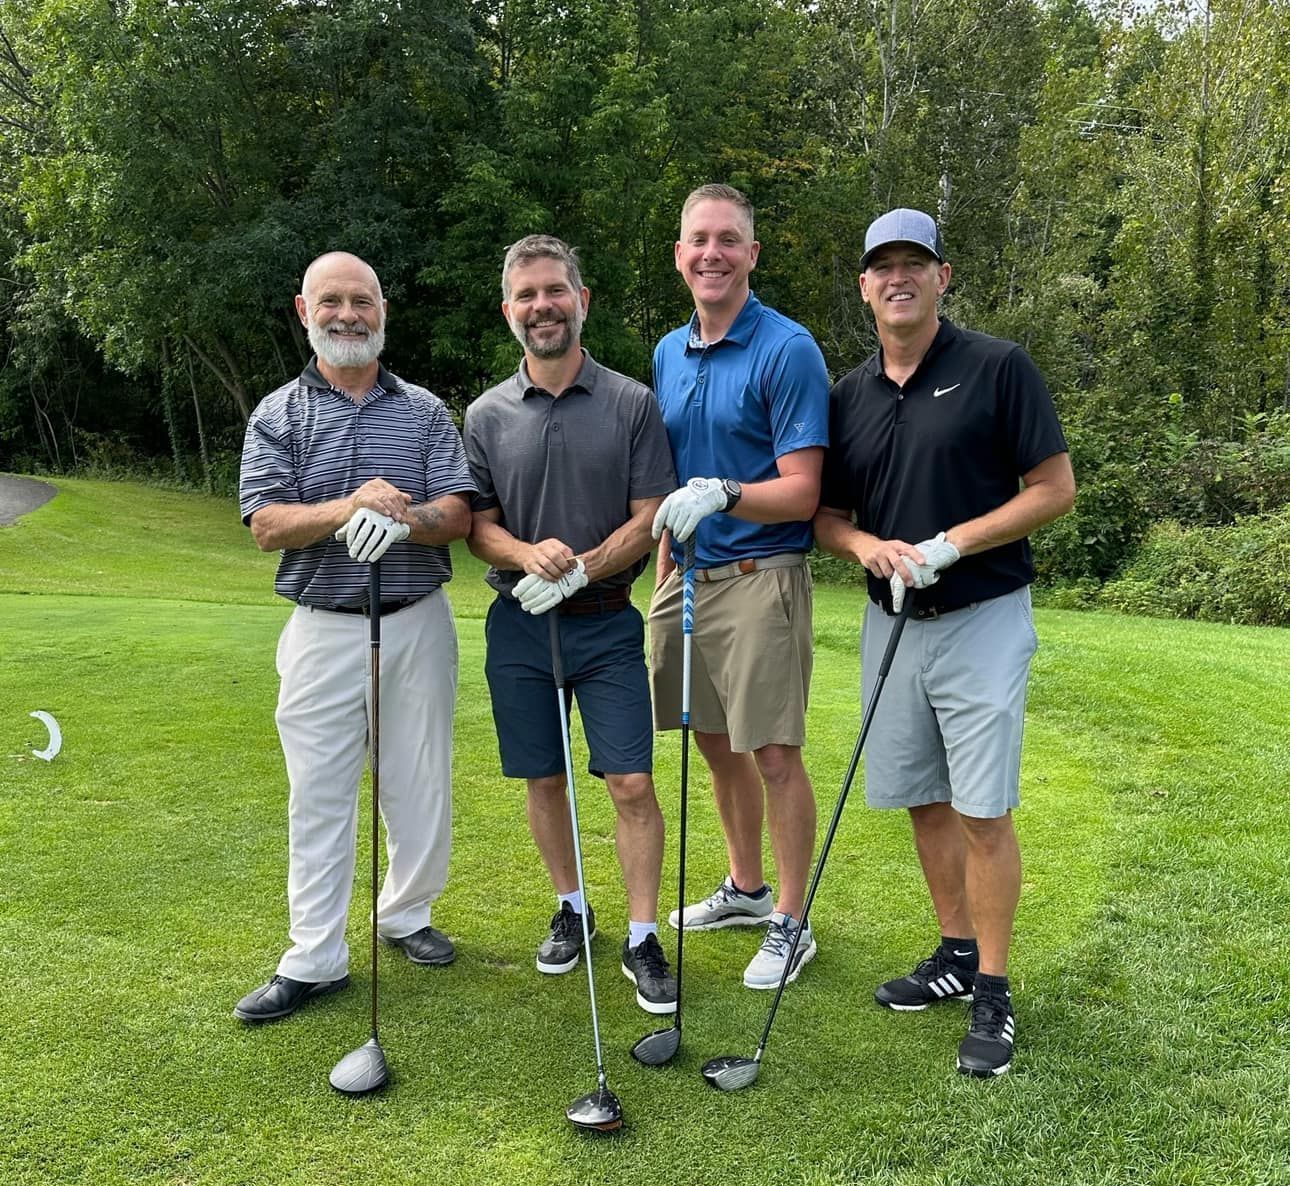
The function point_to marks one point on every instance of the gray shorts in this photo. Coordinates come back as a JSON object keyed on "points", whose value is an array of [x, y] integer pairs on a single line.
{"points": [[948, 727]]}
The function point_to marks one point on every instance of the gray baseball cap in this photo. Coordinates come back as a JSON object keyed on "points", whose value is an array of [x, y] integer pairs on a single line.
{"points": [[903, 226]]}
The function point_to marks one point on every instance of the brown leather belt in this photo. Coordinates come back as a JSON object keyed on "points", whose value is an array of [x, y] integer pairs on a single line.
{"points": [[739, 568], [610, 601]]}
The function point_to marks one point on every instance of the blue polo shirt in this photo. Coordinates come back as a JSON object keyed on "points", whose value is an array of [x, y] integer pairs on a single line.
{"points": [[732, 408]]}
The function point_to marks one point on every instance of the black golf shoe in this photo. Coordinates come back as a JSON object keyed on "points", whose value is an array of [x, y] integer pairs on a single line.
{"points": [[282, 996], [987, 1049], [427, 947], [646, 966], [937, 978], [560, 949]]}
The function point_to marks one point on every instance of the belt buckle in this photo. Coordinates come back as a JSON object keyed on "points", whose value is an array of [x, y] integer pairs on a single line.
{"points": [[926, 613]]}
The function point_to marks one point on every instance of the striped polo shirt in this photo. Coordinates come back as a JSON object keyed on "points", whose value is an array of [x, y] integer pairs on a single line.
{"points": [[308, 443]]}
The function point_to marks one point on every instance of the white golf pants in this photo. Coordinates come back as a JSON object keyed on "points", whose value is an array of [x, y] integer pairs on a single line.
{"points": [[323, 710]]}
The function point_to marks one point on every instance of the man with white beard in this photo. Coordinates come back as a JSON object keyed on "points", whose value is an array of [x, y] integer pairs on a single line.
{"points": [[343, 466], [571, 462]]}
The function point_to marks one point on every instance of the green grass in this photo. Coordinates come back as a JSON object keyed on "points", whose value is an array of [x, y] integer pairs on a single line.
{"points": [[143, 892]]}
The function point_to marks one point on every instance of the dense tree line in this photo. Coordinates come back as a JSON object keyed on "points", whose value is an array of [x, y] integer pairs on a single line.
{"points": [[1112, 181]]}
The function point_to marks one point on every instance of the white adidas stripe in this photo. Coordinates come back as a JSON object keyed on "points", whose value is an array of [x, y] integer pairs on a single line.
{"points": [[944, 986]]}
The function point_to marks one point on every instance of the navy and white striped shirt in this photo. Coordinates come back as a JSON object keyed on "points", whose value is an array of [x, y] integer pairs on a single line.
{"points": [[309, 443]]}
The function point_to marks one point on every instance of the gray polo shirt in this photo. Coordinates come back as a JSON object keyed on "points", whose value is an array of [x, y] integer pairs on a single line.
{"points": [[309, 443], [567, 467]]}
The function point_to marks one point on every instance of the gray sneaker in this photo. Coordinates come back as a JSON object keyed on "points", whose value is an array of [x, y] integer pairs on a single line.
{"points": [[726, 907], [768, 964]]}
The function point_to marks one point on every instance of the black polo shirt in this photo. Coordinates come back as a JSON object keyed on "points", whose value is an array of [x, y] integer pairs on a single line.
{"points": [[950, 445]]}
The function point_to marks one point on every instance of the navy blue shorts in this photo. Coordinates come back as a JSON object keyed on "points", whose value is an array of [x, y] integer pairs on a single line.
{"points": [[604, 670]]}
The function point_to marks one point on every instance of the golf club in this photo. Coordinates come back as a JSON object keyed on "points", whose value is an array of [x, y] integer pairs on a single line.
{"points": [[655, 1049], [364, 1070], [600, 1110], [731, 1072]]}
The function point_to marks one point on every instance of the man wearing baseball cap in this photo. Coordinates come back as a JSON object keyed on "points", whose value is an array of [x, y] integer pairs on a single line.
{"points": [[950, 438]]}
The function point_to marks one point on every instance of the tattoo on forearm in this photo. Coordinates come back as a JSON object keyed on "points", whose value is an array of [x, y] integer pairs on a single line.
{"points": [[426, 517]]}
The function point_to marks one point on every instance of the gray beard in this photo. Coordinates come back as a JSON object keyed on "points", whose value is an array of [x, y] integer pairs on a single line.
{"points": [[346, 354], [556, 349]]}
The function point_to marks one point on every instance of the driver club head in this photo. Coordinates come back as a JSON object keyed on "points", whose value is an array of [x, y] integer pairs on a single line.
{"points": [[598, 1112], [653, 1050], [361, 1071], [730, 1072]]}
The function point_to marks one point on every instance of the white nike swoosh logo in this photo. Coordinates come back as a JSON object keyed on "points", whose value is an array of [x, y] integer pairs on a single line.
{"points": [[957, 952], [940, 391]]}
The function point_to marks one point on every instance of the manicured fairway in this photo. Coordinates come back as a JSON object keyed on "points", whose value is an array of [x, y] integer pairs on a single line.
{"points": [[143, 892]]}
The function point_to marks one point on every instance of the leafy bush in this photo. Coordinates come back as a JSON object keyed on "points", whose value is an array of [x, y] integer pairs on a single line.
{"points": [[1221, 574]]}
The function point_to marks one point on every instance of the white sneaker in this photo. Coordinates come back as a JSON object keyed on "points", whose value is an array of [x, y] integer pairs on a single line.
{"points": [[726, 907], [768, 964]]}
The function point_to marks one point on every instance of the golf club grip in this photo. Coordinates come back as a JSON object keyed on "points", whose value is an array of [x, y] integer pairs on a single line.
{"points": [[687, 630], [687, 627], [883, 668]]}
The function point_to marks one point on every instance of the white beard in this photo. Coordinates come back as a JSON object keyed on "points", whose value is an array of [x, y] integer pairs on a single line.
{"points": [[336, 353]]}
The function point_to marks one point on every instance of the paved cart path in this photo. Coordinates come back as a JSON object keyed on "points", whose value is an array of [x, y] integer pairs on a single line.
{"points": [[18, 496]]}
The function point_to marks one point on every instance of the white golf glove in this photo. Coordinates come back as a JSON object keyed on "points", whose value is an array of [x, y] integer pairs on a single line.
{"points": [[684, 509], [368, 534], [938, 554], [536, 594]]}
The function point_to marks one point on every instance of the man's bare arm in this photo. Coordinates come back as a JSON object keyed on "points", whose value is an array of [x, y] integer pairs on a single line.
{"points": [[492, 543], [297, 525], [627, 544], [439, 521]]}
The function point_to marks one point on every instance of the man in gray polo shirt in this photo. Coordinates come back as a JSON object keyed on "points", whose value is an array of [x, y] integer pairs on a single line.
{"points": [[571, 461]]}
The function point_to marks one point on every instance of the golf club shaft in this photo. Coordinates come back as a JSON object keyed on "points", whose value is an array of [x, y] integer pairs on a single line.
{"points": [[883, 668], [557, 668], [374, 617], [687, 641]]}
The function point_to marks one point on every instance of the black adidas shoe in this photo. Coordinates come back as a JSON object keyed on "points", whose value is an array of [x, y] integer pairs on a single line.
{"points": [[937, 978], [646, 965], [987, 1049], [560, 949]]}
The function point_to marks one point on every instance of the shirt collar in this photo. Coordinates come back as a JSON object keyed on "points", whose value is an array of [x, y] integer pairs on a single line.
{"points": [[584, 381], [946, 333], [311, 376], [740, 332]]}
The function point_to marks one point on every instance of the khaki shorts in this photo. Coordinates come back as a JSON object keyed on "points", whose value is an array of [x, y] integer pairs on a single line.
{"points": [[751, 663]]}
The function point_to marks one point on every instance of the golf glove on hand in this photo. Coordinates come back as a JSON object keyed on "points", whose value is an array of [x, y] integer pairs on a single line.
{"points": [[684, 509], [536, 594], [938, 554], [369, 534]]}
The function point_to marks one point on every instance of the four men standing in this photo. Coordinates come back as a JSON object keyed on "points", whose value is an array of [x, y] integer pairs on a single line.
{"points": [[943, 435]]}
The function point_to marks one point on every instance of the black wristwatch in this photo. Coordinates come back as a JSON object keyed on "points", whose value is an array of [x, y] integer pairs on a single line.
{"points": [[734, 492]]}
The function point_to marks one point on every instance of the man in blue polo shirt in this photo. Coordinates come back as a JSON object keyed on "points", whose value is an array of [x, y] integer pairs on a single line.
{"points": [[571, 462], [948, 437], [744, 393], [338, 465]]}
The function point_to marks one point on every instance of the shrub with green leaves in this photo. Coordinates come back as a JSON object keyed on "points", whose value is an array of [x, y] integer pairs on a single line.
{"points": [[1220, 574]]}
